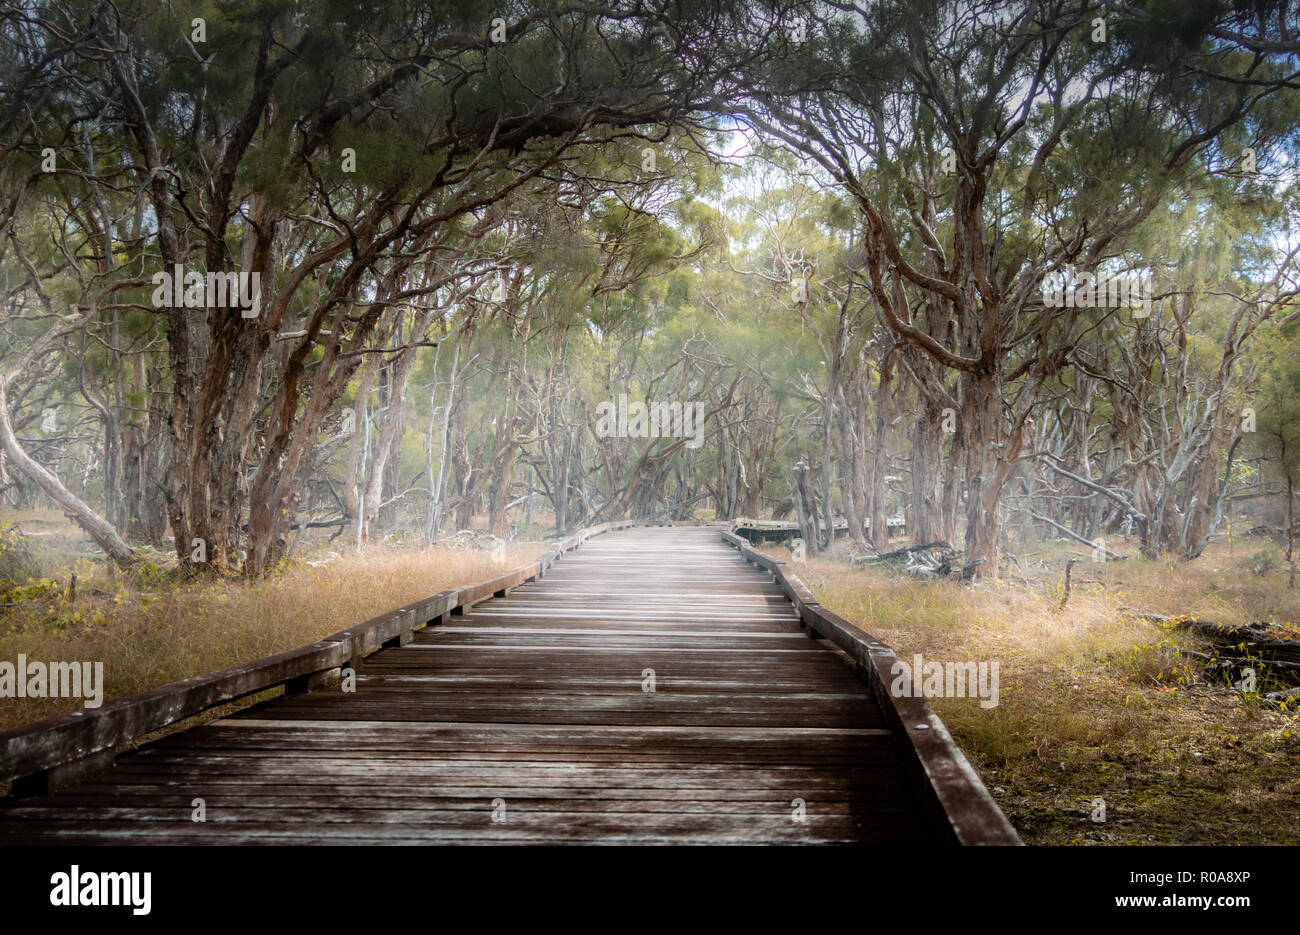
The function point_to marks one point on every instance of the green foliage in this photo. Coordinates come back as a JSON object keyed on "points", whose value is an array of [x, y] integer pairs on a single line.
{"points": [[1278, 406], [1265, 560], [17, 564]]}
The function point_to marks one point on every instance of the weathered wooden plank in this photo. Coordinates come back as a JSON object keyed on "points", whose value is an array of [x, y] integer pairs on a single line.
{"points": [[621, 829], [296, 807], [890, 783], [609, 714]]}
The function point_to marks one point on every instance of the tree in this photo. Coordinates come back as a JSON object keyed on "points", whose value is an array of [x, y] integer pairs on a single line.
{"points": [[1019, 104]]}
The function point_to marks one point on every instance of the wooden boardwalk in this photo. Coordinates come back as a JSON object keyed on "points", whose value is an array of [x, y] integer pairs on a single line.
{"points": [[776, 530], [594, 705]]}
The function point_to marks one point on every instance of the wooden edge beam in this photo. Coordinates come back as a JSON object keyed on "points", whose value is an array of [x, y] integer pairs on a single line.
{"points": [[65, 738], [955, 799]]}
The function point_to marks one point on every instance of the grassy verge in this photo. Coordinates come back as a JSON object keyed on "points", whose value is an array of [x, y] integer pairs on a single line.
{"points": [[1097, 706], [152, 629]]}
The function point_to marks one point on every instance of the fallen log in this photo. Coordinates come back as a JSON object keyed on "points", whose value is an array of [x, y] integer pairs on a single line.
{"points": [[901, 554], [931, 560], [1254, 645], [1254, 641], [968, 570]]}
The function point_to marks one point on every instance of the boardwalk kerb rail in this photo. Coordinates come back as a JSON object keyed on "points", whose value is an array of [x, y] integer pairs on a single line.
{"points": [[955, 800], [47, 755]]}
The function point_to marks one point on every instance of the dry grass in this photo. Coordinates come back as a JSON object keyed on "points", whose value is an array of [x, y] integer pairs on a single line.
{"points": [[153, 630], [1095, 703]]}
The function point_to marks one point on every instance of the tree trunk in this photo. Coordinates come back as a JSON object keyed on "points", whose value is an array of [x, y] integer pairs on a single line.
{"points": [[927, 445], [848, 482], [96, 527], [806, 509], [433, 526], [884, 429]]}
